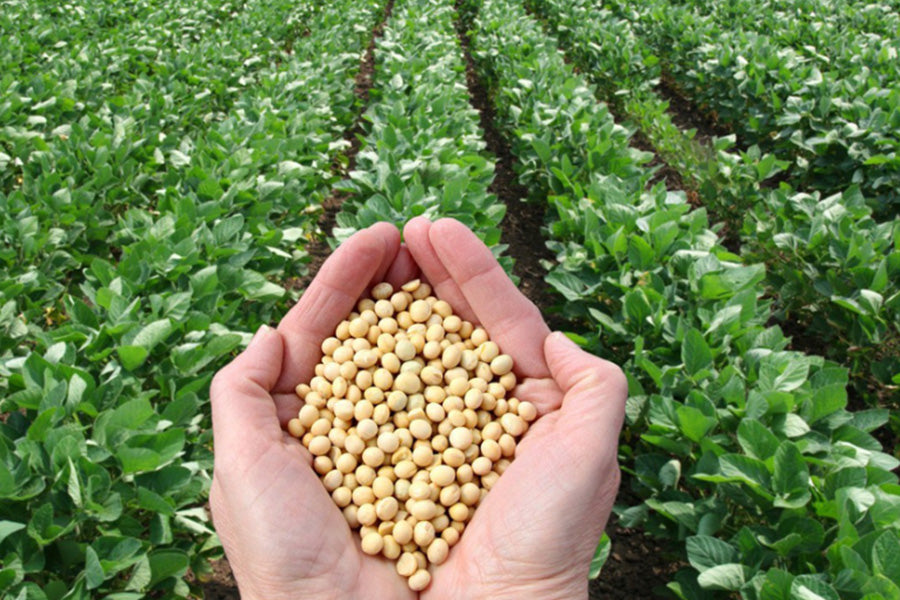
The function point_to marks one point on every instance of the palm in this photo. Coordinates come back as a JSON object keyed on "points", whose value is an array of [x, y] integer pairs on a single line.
{"points": [[323, 548]]}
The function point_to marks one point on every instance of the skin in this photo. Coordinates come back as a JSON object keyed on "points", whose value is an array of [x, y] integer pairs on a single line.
{"points": [[534, 534]]}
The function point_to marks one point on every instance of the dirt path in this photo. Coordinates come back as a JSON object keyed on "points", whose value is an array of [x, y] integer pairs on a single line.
{"points": [[319, 250], [686, 115]]}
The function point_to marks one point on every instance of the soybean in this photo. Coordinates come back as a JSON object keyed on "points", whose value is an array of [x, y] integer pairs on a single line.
{"points": [[410, 418]]}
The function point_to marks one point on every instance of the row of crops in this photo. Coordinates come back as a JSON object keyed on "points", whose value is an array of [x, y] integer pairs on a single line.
{"points": [[833, 262], [163, 167], [148, 219]]}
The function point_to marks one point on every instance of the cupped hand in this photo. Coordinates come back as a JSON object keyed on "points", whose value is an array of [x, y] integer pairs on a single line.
{"points": [[283, 535], [534, 534]]}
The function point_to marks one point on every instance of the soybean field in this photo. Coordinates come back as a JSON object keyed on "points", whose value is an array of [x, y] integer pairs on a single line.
{"points": [[707, 194]]}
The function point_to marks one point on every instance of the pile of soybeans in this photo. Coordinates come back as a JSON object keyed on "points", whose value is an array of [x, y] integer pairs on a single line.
{"points": [[410, 420]]}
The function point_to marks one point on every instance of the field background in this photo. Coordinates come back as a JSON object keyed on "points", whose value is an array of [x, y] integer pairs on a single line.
{"points": [[707, 195]]}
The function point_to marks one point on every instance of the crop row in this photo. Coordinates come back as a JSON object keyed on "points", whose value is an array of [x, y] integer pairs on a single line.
{"points": [[423, 152], [832, 269], [829, 27], [740, 449], [105, 362], [86, 144], [837, 125], [627, 72]]}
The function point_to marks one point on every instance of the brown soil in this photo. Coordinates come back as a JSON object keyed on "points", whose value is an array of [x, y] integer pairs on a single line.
{"points": [[638, 567], [222, 585], [686, 115]]}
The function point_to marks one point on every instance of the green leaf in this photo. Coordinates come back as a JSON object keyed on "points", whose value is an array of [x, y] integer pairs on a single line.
{"points": [[132, 356], [601, 554], [751, 471], [226, 229], [136, 460], [167, 563], [810, 587], [7, 481], [542, 149], [777, 585], [153, 502], [886, 555], [74, 485], [756, 439], [43, 527], [794, 426], [8, 528], [705, 552], [791, 477], [141, 576], [695, 352], [826, 401], [152, 335], [795, 374], [93, 571], [730, 576], [693, 423]]}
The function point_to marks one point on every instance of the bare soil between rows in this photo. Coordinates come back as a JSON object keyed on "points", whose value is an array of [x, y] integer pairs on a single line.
{"points": [[319, 250]]}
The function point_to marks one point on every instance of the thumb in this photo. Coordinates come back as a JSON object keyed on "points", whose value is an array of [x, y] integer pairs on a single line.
{"points": [[594, 391], [243, 411]]}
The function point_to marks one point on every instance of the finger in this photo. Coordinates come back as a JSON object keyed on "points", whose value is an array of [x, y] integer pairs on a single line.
{"points": [[595, 393], [416, 234], [543, 393], [243, 413], [332, 295], [391, 236], [512, 320], [287, 406], [403, 269]]}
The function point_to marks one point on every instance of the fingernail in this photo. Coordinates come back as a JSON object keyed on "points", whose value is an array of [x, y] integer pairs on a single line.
{"points": [[561, 338], [262, 331]]}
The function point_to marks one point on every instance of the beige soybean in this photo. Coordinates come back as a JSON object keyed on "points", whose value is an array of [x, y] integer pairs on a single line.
{"points": [[373, 543], [410, 418], [407, 564], [443, 475], [438, 551], [391, 549], [403, 532]]}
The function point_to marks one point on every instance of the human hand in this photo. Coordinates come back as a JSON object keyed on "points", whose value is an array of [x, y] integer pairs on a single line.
{"points": [[535, 531], [283, 535], [534, 534]]}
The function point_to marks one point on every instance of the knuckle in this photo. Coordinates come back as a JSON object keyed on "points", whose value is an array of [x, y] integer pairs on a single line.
{"points": [[609, 377], [219, 383]]}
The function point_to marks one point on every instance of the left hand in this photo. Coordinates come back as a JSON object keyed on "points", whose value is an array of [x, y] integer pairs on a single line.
{"points": [[283, 535]]}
